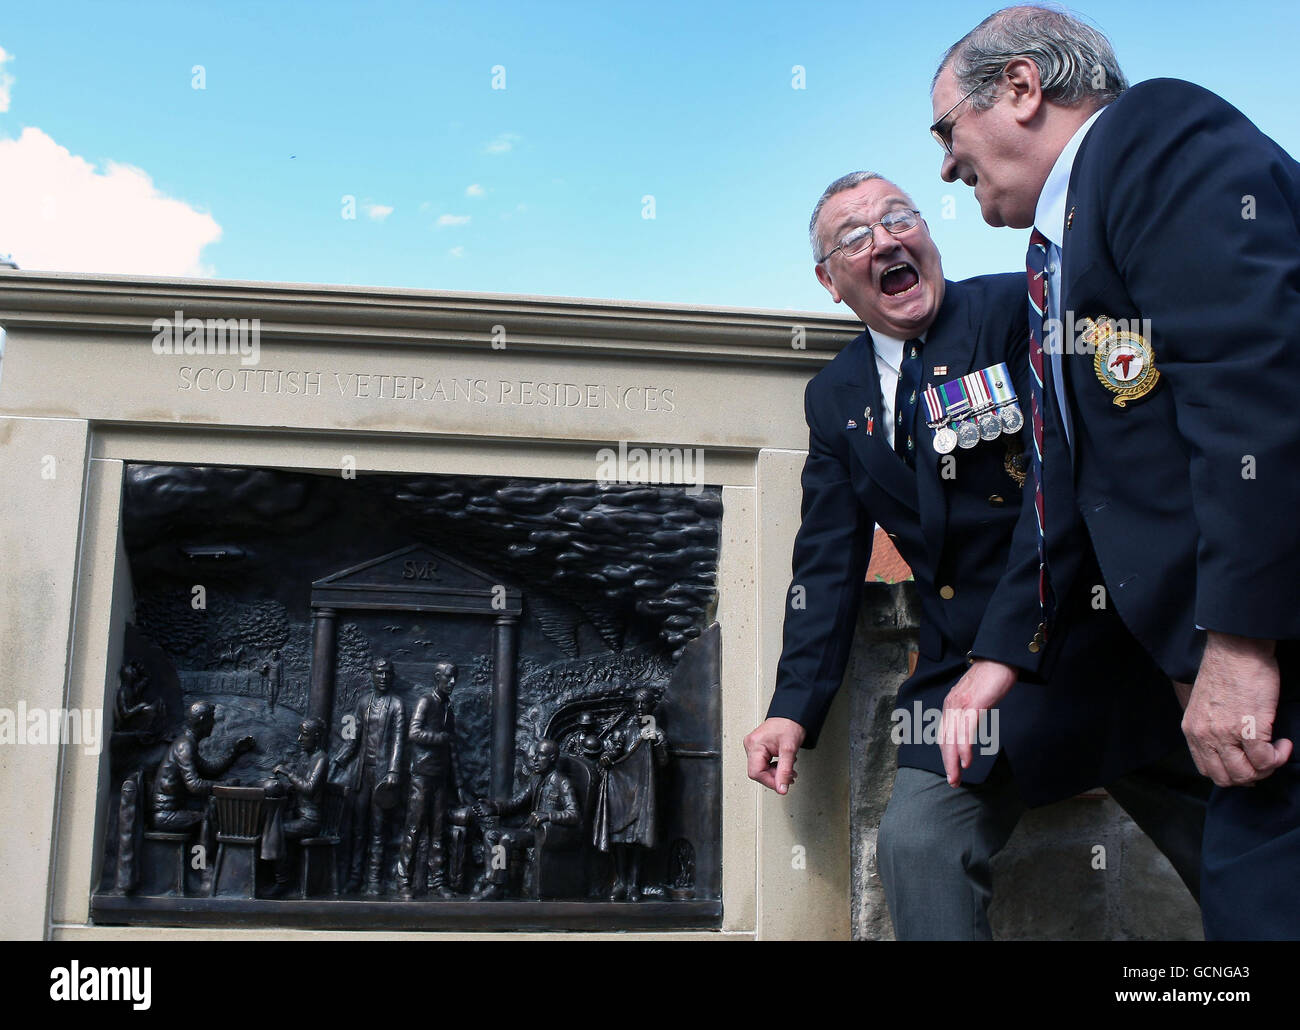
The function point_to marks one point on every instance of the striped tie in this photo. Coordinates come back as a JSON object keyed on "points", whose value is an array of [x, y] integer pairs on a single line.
{"points": [[1036, 271]]}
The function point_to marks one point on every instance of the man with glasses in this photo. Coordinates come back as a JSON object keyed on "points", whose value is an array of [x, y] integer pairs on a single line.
{"points": [[1166, 248], [917, 426]]}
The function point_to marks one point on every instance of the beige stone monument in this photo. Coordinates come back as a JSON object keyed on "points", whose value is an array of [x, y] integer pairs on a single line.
{"points": [[101, 371]]}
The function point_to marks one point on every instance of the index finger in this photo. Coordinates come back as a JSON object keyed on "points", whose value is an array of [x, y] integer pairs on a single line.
{"points": [[760, 765], [948, 748], [785, 767]]}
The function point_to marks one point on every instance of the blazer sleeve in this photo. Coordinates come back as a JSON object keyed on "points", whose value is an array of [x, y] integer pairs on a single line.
{"points": [[831, 552], [1203, 220]]}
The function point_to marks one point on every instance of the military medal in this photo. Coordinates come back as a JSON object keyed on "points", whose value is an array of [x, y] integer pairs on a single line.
{"points": [[956, 409], [945, 440], [998, 380], [986, 419], [1124, 361]]}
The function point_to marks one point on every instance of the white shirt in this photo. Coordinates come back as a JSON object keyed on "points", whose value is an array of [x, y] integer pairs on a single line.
{"points": [[889, 359], [1049, 219]]}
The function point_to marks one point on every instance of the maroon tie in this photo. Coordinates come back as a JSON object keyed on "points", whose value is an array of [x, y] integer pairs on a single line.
{"points": [[1036, 271]]}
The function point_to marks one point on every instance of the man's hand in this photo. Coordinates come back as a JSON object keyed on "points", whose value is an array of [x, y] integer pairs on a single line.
{"points": [[1229, 719], [983, 686], [774, 740]]}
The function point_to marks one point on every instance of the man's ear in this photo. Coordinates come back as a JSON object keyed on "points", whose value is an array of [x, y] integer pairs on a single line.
{"points": [[1024, 89], [824, 277]]}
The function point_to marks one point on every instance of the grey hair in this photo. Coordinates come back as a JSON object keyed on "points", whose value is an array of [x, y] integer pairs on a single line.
{"points": [[1071, 56], [844, 182]]}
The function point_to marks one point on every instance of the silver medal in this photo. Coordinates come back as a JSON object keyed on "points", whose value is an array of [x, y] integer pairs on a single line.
{"points": [[944, 440], [1012, 418], [968, 435], [990, 425]]}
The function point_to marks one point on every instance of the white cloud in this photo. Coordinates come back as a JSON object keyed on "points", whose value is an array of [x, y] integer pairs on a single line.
{"points": [[503, 143], [474, 190], [60, 213], [452, 220], [6, 80], [377, 212], [457, 252]]}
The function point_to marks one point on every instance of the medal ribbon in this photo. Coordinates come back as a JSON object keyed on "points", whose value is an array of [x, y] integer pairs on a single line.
{"points": [[978, 391], [998, 380]]}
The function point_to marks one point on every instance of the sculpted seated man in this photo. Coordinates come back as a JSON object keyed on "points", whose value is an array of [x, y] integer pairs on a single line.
{"points": [[184, 781], [916, 425], [548, 797], [307, 781]]}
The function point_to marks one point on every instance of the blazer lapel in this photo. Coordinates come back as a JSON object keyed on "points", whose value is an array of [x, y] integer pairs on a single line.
{"points": [[949, 349], [1070, 272], [853, 397]]}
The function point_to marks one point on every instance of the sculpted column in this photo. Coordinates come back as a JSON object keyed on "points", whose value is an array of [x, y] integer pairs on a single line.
{"points": [[320, 701], [506, 640]]}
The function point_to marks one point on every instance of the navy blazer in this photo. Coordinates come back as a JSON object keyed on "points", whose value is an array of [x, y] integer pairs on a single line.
{"points": [[953, 522], [1183, 213]]}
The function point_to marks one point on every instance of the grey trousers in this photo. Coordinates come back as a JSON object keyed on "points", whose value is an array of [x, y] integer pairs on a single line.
{"points": [[936, 842]]}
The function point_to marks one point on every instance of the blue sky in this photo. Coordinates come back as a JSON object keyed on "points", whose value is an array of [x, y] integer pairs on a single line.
{"points": [[604, 104]]}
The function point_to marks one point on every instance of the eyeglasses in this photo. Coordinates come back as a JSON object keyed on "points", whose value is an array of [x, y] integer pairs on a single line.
{"points": [[861, 239], [943, 134]]}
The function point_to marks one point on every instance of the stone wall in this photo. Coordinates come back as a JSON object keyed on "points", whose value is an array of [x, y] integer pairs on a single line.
{"points": [[1044, 886]]}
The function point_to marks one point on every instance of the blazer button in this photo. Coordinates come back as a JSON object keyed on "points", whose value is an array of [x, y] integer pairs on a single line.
{"points": [[946, 593], [1033, 647], [997, 501]]}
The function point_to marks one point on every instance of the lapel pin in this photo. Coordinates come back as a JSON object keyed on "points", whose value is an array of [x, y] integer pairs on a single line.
{"points": [[1069, 219], [940, 370], [871, 422]]}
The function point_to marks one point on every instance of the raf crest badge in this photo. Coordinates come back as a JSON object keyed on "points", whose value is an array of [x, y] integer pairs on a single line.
{"points": [[1124, 361]]}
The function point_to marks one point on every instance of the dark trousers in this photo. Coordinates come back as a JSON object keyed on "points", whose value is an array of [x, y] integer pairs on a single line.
{"points": [[426, 807], [1252, 848], [367, 832], [936, 843]]}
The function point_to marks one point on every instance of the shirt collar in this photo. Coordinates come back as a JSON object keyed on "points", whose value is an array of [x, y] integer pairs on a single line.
{"points": [[1049, 217], [890, 343]]}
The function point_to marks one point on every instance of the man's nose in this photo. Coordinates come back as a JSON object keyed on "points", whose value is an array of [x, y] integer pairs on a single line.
{"points": [[883, 241], [948, 169]]}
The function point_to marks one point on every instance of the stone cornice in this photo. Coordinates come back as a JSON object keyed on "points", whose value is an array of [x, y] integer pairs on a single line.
{"points": [[358, 315]]}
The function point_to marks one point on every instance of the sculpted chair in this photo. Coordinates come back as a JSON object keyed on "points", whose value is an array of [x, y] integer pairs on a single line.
{"points": [[242, 813], [320, 867]]}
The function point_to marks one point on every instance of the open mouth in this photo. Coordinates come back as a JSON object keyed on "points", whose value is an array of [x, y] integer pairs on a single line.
{"points": [[899, 279]]}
